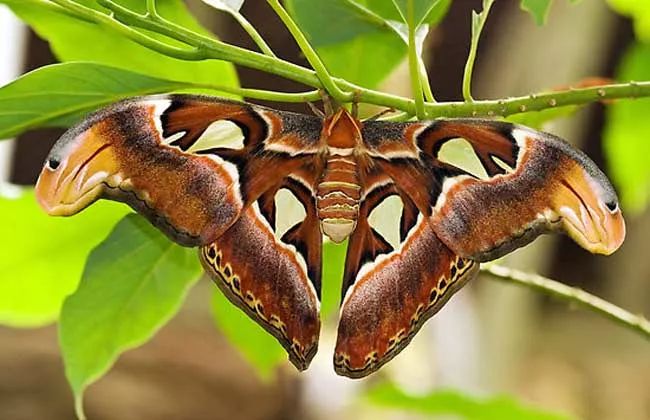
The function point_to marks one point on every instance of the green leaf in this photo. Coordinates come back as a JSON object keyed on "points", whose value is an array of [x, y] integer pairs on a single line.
{"points": [[257, 346], [334, 21], [60, 94], [42, 257], [74, 40], [639, 11], [437, 12], [133, 283], [538, 9], [353, 42], [456, 404], [423, 11], [355, 38], [627, 132], [350, 60]]}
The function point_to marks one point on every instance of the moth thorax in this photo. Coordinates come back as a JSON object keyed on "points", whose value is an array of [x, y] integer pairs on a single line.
{"points": [[337, 198]]}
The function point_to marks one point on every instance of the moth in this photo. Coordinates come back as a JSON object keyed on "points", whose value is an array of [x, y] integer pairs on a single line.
{"points": [[208, 172]]}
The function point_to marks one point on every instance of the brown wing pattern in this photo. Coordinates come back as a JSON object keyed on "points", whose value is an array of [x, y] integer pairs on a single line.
{"points": [[451, 219], [390, 293], [164, 156], [537, 183], [206, 171], [270, 281]]}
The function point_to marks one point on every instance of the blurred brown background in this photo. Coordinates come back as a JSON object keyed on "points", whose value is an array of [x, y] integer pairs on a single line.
{"points": [[492, 339]]}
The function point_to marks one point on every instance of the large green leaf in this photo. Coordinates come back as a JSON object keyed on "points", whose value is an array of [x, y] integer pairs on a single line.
{"points": [[257, 346], [357, 40], [639, 11], [457, 405], [60, 94], [344, 21], [354, 45], [42, 257], [627, 132], [74, 40], [351, 61], [133, 283]]}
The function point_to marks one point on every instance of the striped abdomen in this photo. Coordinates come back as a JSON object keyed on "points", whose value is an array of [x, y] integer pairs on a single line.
{"points": [[338, 197]]}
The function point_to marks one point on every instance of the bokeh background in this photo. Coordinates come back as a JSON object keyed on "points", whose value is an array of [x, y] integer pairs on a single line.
{"points": [[491, 340]]}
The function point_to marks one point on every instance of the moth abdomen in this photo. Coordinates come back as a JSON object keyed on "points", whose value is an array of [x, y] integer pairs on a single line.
{"points": [[337, 198]]}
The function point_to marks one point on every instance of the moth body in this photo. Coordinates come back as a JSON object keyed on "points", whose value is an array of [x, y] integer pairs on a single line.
{"points": [[339, 190]]}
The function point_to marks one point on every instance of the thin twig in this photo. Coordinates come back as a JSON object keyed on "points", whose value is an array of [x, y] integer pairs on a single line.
{"points": [[252, 32], [414, 63], [323, 75], [593, 303], [424, 80], [478, 21]]}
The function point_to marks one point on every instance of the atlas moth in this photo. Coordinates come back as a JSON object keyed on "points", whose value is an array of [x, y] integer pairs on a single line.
{"points": [[207, 172]]}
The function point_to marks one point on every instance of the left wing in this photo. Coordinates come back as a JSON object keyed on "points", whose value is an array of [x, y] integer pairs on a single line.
{"points": [[206, 171], [190, 164], [275, 280]]}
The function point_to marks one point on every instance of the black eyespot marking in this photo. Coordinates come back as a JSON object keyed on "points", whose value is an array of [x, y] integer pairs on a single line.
{"points": [[53, 163], [433, 296], [212, 253], [612, 206]]}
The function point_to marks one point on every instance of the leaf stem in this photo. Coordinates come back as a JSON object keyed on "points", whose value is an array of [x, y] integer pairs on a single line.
{"points": [[636, 323], [424, 80], [323, 75], [252, 32], [151, 8], [414, 64], [369, 15], [266, 95], [478, 21]]}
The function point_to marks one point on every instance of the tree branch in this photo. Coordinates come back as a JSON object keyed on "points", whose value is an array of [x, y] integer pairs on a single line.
{"points": [[538, 102], [636, 323], [203, 47]]}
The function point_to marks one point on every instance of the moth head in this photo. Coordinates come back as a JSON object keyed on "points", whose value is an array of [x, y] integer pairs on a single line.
{"points": [[590, 211], [78, 168], [342, 130]]}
